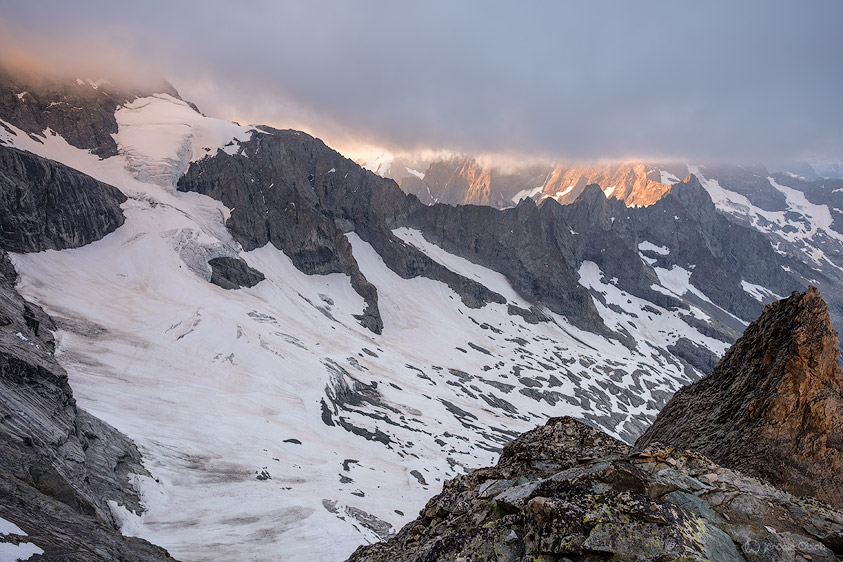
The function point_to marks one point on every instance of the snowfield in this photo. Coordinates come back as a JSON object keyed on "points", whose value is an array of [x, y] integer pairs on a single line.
{"points": [[271, 422]]}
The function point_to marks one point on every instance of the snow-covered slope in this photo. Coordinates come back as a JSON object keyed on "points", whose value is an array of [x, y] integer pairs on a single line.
{"points": [[805, 226], [271, 421], [160, 135]]}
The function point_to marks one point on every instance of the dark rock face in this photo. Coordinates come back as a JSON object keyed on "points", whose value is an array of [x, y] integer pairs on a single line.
{"points": [[724, 253], [540, 250], [288, 188], [566, 491], [751, 182], [718, 253], [59, 466], [46, 205], [518, 243], [76, 110], [772, 406], [233, 273]]}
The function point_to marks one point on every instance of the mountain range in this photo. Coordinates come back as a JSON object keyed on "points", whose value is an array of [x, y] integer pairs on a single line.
{"points": [[273, 349]]}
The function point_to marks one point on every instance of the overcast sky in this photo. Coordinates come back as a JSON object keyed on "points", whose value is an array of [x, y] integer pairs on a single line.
{"points": [[729, 80]]}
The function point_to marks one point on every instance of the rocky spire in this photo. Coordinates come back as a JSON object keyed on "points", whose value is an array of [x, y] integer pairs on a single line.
{"points": [[773, 406]]}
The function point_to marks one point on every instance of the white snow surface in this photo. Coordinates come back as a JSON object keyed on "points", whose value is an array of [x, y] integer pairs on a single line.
{"points": [[219, 388], [9, 528], [650, 247], [531, 193], [759, 292], [804, 227], [160, 135], [416, 173], [10, 552]]}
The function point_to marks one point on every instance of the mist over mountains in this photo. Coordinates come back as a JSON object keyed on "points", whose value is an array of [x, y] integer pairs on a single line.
{"points": [[226, 339]]}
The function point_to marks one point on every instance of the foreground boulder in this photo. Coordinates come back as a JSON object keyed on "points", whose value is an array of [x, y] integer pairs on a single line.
{"points": [[773, 406], [566, 491]]}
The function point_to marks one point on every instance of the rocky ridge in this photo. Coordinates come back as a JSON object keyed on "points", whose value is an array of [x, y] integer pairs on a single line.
{"points": [[466, 180], [800, 215], [771, 408], [288, 188], [567, 492], [542, 248]]}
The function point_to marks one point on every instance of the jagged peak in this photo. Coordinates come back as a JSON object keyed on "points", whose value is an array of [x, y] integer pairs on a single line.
{"points": [[773, 406], [691, 194], [591, 193]]}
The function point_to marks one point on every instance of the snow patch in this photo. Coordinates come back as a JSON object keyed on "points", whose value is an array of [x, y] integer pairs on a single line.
{"points": [[668, 179], [531, 193], [650, 247], [759, 292], [160, 136], [12, 552], [9, 528]]}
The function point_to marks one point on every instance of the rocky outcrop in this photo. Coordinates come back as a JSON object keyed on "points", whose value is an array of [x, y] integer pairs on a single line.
{"points": [[289, 189], [59, 466], [82, 112], [47, 205], [518, 243], [467, 181], [233, 273], [773, 406], [628, 182], [566, 491]]}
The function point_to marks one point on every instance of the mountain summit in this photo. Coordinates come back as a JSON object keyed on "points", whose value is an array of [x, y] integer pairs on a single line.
{"points": [[772, 406]]}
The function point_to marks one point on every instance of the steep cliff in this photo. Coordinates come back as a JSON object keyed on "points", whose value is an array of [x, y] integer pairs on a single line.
{"points": [[773, 406], [49, 206]]}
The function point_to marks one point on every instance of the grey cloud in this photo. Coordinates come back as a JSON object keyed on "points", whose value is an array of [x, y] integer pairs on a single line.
{"points": [[729, 80]]}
